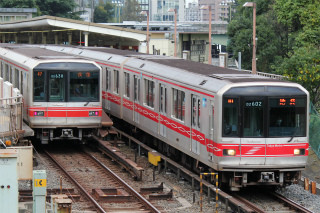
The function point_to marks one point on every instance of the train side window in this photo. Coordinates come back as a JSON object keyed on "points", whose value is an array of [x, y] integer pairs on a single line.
{"points": [[1, 69], [211, 119], [178, 104], [21, 82], [108, 79], [163, 99], [127, 85], [230, 117], [136, 88], [11, 75], [116, 81], [39, 90], [6, 72], [149, 93], [16, 78]]}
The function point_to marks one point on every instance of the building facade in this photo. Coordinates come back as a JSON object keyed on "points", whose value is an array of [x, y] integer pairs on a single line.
{"points": [[221, 10], [159, 10], [192, 12], [16, 14]]}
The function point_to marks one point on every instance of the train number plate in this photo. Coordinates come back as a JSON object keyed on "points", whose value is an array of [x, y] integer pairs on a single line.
{"points": [[38, 113], [93, 113]]}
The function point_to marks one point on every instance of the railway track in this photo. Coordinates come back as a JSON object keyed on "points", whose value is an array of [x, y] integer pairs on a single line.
{"points": [[264, 201], [99, 184], [259, 202]]}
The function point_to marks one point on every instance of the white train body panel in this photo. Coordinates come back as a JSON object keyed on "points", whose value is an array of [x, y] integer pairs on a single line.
{"points": [[223, 118], [48, 81]]}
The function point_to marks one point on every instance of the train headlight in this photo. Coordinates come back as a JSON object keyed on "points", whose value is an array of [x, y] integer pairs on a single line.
{"points": [[229, 152], [299, 151]]}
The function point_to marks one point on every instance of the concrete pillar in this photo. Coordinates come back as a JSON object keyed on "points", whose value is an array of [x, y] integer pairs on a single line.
{"points": [[44, 38], [70, 38], [56, 38], [16, 38], [39, 191], [30, 38], [3, 38], [8, 180], [86, 38]]}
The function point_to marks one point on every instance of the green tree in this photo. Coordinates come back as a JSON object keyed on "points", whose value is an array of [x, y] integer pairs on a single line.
{"points": [[60, 8], [303, 67], [131, 11], [103, 13], [301, 63], [268, 33], [18, 4]]}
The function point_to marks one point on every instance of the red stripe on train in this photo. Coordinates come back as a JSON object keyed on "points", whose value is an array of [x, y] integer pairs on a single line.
{"points": [[247, 150]]}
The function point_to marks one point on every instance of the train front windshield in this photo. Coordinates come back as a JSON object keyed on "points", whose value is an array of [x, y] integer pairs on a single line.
{"points": [[66, 85], [264, 112]]}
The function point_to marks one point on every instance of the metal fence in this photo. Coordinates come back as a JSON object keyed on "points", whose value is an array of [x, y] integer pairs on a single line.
{"points": [[10, 117], [314, 131]]}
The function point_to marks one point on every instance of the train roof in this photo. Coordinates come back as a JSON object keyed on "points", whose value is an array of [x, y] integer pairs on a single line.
{"points": [[221, 73], [36, 52]]}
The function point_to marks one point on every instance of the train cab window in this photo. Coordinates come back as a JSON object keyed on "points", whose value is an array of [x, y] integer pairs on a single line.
{"points": [[253, 118], [39, 90], [230, 117], [116, 81], [84, 86], [178, 104], [149, 93], [126, 85], [287, 117], [57, 86]]}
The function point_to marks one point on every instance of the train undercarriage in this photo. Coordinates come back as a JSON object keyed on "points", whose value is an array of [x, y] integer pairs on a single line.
{"points": [[49, 135]]}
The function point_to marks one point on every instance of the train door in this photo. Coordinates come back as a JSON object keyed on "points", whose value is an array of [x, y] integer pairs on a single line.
{"points": [[108, 89], [253, 142], [136, 97], [195, 123], [162, 109], [57, 105], [39, 100]]}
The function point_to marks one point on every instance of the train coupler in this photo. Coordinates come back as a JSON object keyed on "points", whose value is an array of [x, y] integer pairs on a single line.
{"points": [[267, 177], [67, 133]]}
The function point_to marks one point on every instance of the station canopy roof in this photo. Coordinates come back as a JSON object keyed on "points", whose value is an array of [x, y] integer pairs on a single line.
{"points": [[43, 24]]}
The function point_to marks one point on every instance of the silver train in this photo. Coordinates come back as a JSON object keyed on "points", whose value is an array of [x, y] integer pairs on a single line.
{"points": [[252, 129], [61, 93]]}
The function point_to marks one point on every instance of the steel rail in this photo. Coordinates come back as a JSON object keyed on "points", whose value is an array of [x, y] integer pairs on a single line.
{"points": [[249, 204], [78, 184], [230, 201], [291, 203], [149, 205]]}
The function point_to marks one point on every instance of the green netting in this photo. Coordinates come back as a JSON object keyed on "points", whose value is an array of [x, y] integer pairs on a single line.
{"points": [[314, 131]]}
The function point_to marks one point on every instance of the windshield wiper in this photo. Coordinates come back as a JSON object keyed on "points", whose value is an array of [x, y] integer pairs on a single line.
{"points": [[293, 135]]}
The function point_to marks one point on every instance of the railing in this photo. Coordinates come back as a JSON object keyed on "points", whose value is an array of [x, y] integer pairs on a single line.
{"points": [[10, 118], [314, 133]]}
